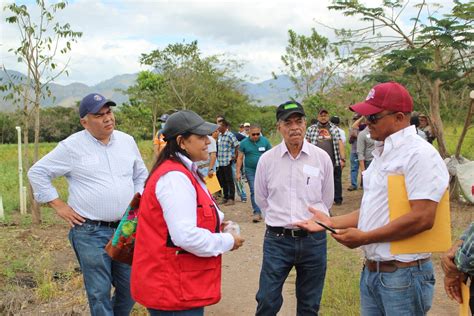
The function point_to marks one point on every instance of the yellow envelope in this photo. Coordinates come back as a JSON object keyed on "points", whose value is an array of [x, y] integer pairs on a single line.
{"points": [[212, 184], [464, 307], [437, 239]]}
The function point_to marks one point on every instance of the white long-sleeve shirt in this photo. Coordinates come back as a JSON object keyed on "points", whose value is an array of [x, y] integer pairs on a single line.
{"points": [[177, 198], [102, 177]]}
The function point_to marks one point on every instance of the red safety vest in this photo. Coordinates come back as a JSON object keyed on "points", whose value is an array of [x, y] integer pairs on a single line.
{"points": [[166, 277]]}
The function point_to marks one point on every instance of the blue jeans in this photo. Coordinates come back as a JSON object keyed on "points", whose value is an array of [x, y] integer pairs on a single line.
{"points": [[100, 272], [354, 169], [407, 291], [280, 255], [239, 185], [251, 180], [190, 312]]}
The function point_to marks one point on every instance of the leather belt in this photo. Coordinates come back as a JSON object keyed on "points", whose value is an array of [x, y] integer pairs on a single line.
{"points": [[288, 232], [392, 265], [102, 223]]}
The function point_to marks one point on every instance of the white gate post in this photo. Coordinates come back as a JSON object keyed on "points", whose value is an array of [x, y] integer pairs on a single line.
{"points": [[20, 174]]}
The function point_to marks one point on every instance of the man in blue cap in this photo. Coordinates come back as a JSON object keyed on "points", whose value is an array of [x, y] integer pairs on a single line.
{"points": [[104, 169]]}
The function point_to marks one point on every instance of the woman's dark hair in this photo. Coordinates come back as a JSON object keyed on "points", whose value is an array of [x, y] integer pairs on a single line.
{"points": [[169, 152]]}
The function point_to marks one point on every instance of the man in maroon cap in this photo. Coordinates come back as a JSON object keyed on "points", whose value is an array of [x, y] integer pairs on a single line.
{"points": [[392, 284]]}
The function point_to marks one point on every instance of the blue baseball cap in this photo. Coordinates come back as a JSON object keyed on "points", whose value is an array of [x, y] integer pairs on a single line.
{"points": [[92, 103]]}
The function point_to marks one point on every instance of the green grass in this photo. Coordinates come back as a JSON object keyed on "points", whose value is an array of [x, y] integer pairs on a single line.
{"points": [[341, 287]]}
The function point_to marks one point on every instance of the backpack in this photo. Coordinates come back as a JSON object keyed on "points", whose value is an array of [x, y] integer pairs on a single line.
{"points": [[120, 246]]}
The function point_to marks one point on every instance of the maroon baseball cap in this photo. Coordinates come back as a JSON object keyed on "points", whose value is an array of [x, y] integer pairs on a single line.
{"points": [[385, 96]]}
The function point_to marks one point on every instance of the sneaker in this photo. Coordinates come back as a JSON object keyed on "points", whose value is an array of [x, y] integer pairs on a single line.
{"points": [[351, 188], [256, 218], [229, 202], [244, 200]]}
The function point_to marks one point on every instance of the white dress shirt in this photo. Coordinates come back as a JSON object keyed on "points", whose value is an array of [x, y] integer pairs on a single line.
{"points": [[177, 197], [426, 177], [102, 177]]}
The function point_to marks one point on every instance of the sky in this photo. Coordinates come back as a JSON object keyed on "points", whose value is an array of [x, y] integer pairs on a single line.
{"points": [[116, 33]]}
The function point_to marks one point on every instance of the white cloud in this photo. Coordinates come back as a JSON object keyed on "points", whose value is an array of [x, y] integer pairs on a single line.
{"points": [[117, 32]]}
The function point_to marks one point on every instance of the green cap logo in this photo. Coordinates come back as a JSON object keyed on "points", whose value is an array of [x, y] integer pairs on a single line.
{"points": [[291, 106]]}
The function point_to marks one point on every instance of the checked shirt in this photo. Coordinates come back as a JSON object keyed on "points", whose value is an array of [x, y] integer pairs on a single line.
{"points": [[226, 144]]}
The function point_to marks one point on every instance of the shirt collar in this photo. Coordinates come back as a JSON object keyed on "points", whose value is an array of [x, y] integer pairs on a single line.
{"points": [[304, 149], [112, 137], [396, 139], [191, 166]]}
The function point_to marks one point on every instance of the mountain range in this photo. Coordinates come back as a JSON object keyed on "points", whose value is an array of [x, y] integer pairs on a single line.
{"points": [[268, 92]]}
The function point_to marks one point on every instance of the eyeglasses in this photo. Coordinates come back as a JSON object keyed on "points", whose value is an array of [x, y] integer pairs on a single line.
{"points": [[373, 118], [255, 134]]}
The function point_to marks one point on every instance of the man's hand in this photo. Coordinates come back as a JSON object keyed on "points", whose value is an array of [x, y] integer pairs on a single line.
{"points": [[238, 241], [447, 261], [343, 164], [237, 175], [452, 286], [210, 173], [310, 225], [351, 237], [67, 213]]}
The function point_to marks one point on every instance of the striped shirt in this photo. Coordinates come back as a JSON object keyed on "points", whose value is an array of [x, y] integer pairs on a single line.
{"points": [[285, 186], [465, 254], [312, 135], [102, 178], [226, 145]]}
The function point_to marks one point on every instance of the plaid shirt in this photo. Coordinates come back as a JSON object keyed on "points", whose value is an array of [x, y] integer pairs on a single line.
{"points": [[465, 254], [226, 145], [312, 137]]}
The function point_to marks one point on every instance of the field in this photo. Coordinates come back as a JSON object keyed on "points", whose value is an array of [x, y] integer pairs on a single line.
{"points": [[39, 273]]}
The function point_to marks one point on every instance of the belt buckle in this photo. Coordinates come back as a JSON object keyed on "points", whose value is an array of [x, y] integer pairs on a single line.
{"points": [[293, 233]]}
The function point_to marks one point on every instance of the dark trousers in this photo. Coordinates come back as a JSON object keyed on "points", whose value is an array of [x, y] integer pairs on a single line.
{"points": [[280, 255], [224, 175], [337, 184], [471, 299]]}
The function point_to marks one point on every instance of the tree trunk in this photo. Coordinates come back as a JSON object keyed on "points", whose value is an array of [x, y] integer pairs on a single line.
{"points": [[436, 118], [467, 123], [35, 208]]}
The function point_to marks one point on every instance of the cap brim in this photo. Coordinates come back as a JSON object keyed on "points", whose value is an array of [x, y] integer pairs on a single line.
{"points": [[205, 128], [364, 108], [288, 114], [101, 105]]}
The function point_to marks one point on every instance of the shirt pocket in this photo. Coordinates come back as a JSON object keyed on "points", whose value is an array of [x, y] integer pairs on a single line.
{"points": [[312, 184]]}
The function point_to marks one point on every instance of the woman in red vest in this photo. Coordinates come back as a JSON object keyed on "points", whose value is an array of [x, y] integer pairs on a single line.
{"points": [[176, 266]]}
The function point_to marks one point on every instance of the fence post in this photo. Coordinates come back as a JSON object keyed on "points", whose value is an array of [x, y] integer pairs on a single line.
{"points": [[20, 174], [2, 213]]}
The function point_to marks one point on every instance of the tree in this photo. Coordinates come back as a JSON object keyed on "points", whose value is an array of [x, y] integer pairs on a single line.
{"points": [[206, 85], [150, 90], [40, 42], [434, 53], [308, 62]]}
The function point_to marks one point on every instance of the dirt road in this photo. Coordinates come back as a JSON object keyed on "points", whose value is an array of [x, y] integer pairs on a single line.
{"points": [[241, 268]]}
